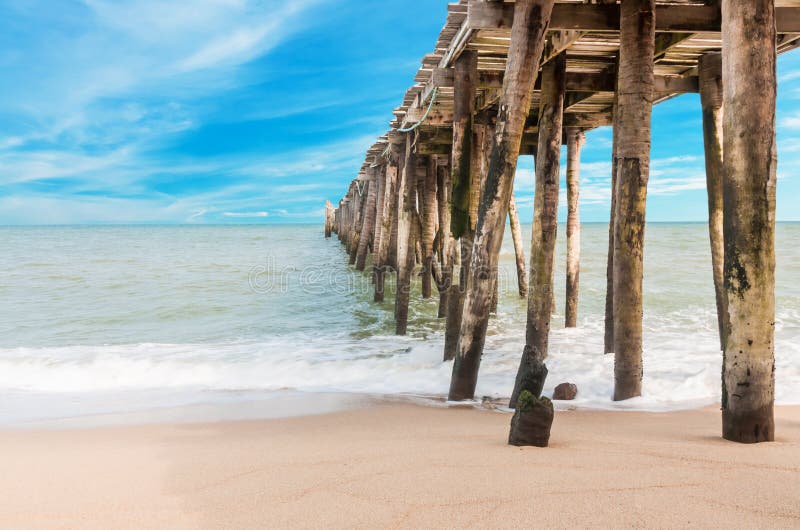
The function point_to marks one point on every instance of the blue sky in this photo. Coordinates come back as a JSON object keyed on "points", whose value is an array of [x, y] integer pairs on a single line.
{"points": [[241, 111]]}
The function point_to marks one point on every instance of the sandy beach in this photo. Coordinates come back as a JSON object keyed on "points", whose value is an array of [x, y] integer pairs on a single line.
{"points": [[401, 465]]}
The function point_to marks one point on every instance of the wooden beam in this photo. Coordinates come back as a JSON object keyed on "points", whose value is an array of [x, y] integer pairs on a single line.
{"points": [[580, 120], [576, 81], [596, 17]]}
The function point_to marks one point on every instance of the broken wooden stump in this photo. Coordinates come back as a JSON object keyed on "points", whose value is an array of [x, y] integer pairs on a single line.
{"points": [[532, 421]]}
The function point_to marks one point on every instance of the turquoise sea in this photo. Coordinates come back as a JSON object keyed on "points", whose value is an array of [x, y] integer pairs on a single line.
{"points": [[108, 319]]}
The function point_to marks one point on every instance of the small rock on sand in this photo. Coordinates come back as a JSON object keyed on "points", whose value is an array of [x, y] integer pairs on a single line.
{"points": [[565, 391]]}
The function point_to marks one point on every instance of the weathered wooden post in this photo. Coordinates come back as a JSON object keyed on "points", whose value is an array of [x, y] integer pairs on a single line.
{"points": [[531, 19], [519, 251], [750, 159], [484, 138], [358, 215], [351, 212], [608, 337], [634, 105], [339, 214], [377, 232], [388, 216], [428, 205], [392, 256], [368, 219], [710, 70], [545, 217], [575, 139], [343, 221], [406, 237], [462, 172], [348, 214], [553, 280], [449, 248], [328, 219]]}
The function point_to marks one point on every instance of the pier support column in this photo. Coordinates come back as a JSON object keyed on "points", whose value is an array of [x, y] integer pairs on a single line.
{"points": [[531, 19], [406, 241], [448, 248], [368, 220], [519, 250], [381, 261], [749, 160], [360, 195], [428, 215], [710, 69], [462, 175], [345, 219], [380, 190], [545, 215], [608, 337], [635, 84], [575, 139], [328, 219]]}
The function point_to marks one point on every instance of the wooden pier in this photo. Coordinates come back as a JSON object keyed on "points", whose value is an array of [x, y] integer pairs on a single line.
{"points": [[524, 78]]}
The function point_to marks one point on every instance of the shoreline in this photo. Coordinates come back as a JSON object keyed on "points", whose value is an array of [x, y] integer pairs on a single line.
{"points": [[402, 465], [253, 406], [261, 406]]}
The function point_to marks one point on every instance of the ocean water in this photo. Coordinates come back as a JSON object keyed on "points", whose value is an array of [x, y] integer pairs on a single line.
{"points": [[100, 320]]}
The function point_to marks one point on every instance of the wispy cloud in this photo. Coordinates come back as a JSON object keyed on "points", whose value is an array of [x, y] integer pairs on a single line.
{"points": [[245, 215]]}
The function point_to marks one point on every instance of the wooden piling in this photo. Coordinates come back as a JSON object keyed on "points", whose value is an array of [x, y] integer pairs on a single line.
{"points": [[449, 248], [545, 215], [377, 232], [575, 139], [749, 160], [328, 219], [429, 214], [388, 216], [519, 251], [406, 240], [710, 69], [360, 196], [368, 221], [634, 105], [531, 19], [608, 337], [338, 220], [462, 176]]}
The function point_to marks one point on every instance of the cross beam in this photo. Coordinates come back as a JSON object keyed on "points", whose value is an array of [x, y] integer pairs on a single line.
{"points": [[599, 17]]}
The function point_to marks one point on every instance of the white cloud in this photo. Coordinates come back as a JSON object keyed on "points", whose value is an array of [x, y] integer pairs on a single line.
{"points": [[242, 44], [244, 215], [791, 122], [93, 81]]}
